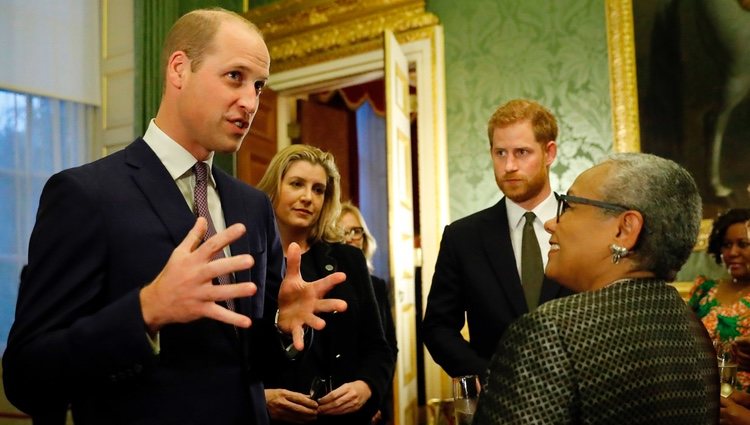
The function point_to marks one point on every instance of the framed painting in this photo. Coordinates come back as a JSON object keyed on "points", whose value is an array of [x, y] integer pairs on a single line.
{"points": [[680, 81], [680, 89]]}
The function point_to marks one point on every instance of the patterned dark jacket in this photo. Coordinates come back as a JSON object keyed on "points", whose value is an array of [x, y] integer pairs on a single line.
{"points": [[631, 353]]}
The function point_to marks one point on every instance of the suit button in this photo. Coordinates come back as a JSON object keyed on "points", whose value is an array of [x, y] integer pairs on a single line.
{"points": [[329, 267]]}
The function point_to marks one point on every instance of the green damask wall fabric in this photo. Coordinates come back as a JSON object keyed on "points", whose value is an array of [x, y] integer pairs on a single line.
{"points": [[153, 19], [552, 51]]}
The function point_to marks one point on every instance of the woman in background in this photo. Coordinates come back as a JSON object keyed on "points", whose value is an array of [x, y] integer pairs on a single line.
{"points": [[351, 354], [357, 234], [723, 305]]}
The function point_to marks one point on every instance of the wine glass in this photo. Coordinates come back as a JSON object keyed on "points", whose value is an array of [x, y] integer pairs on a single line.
{"points": [[320, 387], [465, 395], [727, 367]]}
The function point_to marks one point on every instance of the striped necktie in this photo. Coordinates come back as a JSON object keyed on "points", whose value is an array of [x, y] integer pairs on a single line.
{"points": [[200, 169]]}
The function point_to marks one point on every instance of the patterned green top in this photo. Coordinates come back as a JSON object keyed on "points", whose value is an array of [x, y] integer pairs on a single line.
{"points": [[724, 322]]}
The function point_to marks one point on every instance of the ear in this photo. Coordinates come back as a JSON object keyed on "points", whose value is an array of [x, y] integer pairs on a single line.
{"points": [[629, 228], [551, 152], [178, 65]]}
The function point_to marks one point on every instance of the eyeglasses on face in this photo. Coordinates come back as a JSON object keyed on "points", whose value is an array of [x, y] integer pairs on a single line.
{"points": [[564, 201], [354, 233]]}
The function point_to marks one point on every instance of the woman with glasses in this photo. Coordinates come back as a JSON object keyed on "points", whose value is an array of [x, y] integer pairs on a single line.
{"points": [[357, 234], [625, 349], [345, 370]]}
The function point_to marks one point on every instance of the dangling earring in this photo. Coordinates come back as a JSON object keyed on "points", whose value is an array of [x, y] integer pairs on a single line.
{"points": [[618, 252]]}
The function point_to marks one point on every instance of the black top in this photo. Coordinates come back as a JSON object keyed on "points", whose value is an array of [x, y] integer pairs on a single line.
{"points": [[351, 347]]}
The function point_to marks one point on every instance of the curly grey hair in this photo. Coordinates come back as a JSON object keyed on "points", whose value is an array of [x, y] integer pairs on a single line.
{"points": [[667, 197]]}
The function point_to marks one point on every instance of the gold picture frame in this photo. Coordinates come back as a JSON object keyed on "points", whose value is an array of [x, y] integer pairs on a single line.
{"points": [[622, 76], [624, 98]]}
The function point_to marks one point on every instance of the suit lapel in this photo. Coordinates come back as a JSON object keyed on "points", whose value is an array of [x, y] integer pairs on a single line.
{"points": [[232, 207], [324, 265], [154, 181], [495, 238], [157, 185], [235, 209]]}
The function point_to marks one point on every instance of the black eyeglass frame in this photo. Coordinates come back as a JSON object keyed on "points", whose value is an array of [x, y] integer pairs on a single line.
{"points": [[563, 199]]}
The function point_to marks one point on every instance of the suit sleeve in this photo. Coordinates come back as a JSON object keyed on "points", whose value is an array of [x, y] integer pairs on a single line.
{"points": [[380, 287], [63, 334], [445, 315], [376, 359], [531, 377]]}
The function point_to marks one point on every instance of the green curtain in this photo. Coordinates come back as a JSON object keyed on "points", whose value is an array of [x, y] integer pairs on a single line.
{"points": [[258, 3], [153, 19]]}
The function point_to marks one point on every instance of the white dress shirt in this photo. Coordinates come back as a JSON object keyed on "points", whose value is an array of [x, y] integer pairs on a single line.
{"points": [[179, 163], [546, 210]]}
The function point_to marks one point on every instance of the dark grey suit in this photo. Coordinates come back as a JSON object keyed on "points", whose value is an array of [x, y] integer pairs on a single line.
{"points": [[476, 277], [631, 353], [102, 232]]}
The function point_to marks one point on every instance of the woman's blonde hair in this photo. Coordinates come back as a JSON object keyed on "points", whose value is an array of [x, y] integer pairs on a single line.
{"points": [[326, 228], [369, 245]]}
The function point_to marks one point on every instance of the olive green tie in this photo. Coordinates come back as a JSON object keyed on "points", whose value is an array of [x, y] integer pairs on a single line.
{"points": [[532, 269]]}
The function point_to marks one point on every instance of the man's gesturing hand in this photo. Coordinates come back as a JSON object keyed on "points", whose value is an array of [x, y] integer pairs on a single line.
{"points": [[184, 290], [300, 300]]}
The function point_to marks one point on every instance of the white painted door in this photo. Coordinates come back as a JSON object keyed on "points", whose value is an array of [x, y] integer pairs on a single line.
{"points": [[401, 228]]}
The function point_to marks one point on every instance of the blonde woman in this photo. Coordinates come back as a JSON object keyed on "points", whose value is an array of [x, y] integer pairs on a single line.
{"points": [[357, 234], [351, 355]]}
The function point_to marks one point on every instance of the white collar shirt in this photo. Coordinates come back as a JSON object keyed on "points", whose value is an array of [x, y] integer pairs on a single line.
{"points": [[179, 163], [546, 210]]}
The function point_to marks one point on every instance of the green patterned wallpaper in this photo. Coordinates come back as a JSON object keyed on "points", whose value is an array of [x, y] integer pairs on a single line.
{"points": [[552, 51]]}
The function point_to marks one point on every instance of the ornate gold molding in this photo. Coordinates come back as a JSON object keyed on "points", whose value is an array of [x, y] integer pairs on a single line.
{"points": [[305, 32], [622, 76], [705, 231]]}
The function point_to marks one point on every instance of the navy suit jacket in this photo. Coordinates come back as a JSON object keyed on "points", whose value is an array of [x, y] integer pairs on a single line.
{"points": [[476, 281], [103, 231]]}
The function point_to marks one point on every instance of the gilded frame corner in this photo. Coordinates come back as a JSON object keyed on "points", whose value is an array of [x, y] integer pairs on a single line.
{"points": [[622, 76]]}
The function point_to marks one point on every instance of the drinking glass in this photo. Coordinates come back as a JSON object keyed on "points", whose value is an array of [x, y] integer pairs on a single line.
{"points": [[727, 367], [321, 385], [465, 395]]}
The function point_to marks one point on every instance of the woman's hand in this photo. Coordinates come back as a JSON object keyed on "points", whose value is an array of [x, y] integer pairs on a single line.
{"points": [[740, 397], [347, 398], [732, 413], [290, 406], [742, 352]]}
